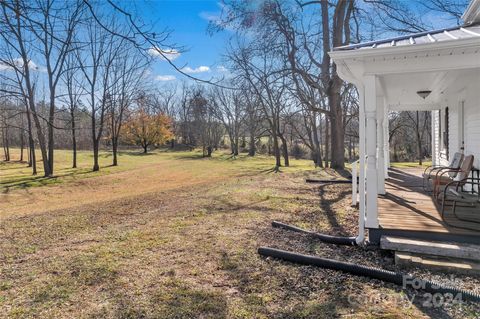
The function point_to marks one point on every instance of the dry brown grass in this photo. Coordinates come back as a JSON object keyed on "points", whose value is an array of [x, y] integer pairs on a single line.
{"points": [[178, 240]]}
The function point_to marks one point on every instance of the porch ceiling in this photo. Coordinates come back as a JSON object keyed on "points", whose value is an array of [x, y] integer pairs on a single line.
{"points": [[400, 90]]}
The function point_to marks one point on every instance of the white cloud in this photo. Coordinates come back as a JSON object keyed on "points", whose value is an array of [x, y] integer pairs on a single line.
{"points": [[18, 62], [215, 17], [200, 69], [4, 67], [210, 16], [221, 68], [170, 54], [165, 78]]}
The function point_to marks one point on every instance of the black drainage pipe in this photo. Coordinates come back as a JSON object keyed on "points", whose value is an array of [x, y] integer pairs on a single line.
{"points": [[338, 240], [332, 181], [404, 280]]}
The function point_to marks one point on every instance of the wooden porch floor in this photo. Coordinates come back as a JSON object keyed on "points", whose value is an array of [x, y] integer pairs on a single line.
{"points": [[406, 207]]}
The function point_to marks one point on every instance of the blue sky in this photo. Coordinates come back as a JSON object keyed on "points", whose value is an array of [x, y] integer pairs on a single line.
{"points": [[188, 20]]}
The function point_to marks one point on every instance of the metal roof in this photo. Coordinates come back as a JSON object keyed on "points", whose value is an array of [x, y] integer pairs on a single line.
{"points": [[435, 36]]}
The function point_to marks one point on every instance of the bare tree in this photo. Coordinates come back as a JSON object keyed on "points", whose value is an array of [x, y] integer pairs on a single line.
{"points": [[128, 72], [167, 101], [50, 24], [228, 107], [73, 84], [17, 49], [260, 68], [253, 119], [99, 51], [202, 121]]}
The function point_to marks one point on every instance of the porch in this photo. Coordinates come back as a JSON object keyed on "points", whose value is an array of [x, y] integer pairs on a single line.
{"points": [[407, 211]]}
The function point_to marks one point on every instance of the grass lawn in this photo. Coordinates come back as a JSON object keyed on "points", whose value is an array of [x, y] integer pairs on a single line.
{"points": [[174, 235]]}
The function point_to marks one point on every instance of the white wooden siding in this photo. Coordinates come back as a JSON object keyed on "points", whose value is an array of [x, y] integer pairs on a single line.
{"points": [[470, 94], [472, 120]]}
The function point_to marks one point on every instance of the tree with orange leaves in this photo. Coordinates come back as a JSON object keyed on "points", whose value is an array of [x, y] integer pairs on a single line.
{"points": [[144, 129]]}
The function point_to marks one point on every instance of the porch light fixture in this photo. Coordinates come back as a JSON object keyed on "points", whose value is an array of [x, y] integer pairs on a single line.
{"points": [[424, 94]]}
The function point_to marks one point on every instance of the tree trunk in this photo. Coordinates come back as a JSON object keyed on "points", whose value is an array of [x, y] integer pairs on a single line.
{"points": [[96, 167], [51, 142], [33, 156], [327, 141], [31, 144], [285, 151], [350, 149], [395, 154], [337, 129], [115, 150], [41, 141], [276, 151], [419, 140], [6, 149], [145, 148], [22, 143], [251, 145], [232, 143], [317, 156], [235, 149], [74, 141]]}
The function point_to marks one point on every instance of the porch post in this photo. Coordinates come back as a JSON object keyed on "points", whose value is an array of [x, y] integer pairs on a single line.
{"points": [[386, 140], [380, 145], [371, 147], [362, 153]]}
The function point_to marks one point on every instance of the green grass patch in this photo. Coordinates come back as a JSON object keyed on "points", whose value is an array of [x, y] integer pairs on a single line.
{"points": [[410, 164], [16, 175]]}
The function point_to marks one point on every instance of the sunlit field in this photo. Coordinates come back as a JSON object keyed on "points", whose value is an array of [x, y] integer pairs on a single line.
{"points": [[136, 174]]}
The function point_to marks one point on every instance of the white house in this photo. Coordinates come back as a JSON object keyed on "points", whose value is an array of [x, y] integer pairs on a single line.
{"points": [[390, 75]]}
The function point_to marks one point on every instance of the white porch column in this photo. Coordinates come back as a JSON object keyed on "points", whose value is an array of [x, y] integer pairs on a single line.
{"points": [[371, 148], [361, 147], [386, 140], [380, 145]]}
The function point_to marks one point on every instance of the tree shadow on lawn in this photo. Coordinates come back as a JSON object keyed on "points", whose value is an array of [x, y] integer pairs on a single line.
{"points": [[334, 173], [35, 181], [173, 299], [192, 157], [220, 204], [274, 169], [327, 203], [4, 165], [138, 154]]}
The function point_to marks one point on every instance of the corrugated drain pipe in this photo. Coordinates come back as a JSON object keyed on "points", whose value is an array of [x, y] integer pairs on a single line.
{"points": [[338, 240], [404, 280]]}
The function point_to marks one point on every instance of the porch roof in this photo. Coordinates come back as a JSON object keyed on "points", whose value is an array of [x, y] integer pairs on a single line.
{"points": [[440, 61], [428, 37]]}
